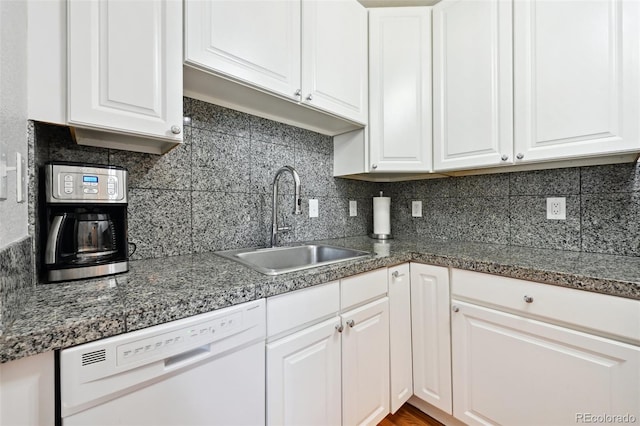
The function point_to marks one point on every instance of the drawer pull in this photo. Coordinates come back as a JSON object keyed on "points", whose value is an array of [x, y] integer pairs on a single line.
{"points": [[454, 308], [339, 327], [351, 323], [397, 275], [528, 299]]}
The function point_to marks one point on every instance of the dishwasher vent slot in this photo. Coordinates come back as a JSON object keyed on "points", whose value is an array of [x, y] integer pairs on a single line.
{"points": [[94, 357]]}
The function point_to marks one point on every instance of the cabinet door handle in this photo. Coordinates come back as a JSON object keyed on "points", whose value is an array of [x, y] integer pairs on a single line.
{"points": [[504, 157], [351, 323], [528, 299], [298, 93], [397, 275], [520, 156], [309, 97], [176, 130], [374, 166], [339, 327], [454, 308]]}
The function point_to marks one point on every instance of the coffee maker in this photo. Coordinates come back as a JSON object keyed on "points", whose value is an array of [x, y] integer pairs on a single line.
{"points": [[84, 225]]}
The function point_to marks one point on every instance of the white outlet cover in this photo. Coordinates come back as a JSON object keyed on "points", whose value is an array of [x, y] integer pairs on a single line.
{"points": [[416, 208], [353, 208], [556, 208], [313, 208]]}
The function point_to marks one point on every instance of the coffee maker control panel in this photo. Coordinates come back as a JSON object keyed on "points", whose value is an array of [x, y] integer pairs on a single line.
{"points": [[67, 183]]}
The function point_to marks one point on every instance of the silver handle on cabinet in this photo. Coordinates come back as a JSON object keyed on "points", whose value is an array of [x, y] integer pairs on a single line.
{"points": [[454, 308], [397, 275], [176, 130], [528, 299], [298, 93], [520, 156], [351, 323], [504, 157], [309, 97], [374, 166], [339, 327]]}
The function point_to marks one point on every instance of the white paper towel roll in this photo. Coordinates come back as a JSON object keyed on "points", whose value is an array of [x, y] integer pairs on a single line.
{"points": [[382, 215]]}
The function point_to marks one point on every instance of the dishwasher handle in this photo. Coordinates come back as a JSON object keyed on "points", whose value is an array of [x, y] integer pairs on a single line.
{"points": [[187, 358]]}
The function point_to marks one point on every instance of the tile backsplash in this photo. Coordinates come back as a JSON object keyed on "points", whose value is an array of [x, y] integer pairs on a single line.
{"points": [[602, 202], [214, 192]]}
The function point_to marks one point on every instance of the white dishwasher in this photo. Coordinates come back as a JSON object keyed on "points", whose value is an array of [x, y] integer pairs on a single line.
{"points": [[208, 369]]}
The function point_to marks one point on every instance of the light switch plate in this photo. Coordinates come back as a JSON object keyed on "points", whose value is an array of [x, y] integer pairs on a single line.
{"points": [[3, 174], [353, 208], [313, 208], [416, 208]]}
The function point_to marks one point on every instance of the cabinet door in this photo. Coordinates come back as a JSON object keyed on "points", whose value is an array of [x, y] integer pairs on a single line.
{"points": [[400, 83], [257, 42], [334, 57], [472, 84], [401, 372], [513, 370], [365, 364], [431, 335], [27, 391], [577, 78], [125, 66], [303, 377]]}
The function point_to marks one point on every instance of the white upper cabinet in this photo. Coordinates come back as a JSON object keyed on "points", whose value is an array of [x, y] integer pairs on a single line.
{"points": [[334, 57], [577, 78], [253, 41], [124, 67], [472, 84], [400, 89], [275, 58]]}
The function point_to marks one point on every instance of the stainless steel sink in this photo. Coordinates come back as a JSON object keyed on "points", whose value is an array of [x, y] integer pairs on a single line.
{"points": [[280, 260]]}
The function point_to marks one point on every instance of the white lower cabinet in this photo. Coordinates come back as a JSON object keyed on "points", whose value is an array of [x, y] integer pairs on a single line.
{"points": [[327, 363], [303, 377], [400, 364], [431, 336], [508, 369], [27, 395]]}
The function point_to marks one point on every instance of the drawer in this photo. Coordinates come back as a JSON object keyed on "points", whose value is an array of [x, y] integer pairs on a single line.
{"points": [[291, 310], [362, 288], [606, 315]]}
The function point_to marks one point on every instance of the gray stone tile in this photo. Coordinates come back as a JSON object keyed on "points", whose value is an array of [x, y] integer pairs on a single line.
{"points": [[480, 186], [312, 141], [159, 222], [266, 160], [531, 228], [482, 219], [215, 118], [62, 147], [362, 224], [169, 171], [16, 279], [337, 211], [433, 188], [356, 188], [438, 220], [611, 178], [312, 228], [402, 224], [316, 173], [270, 131], [545, 182], [221, 162], [610, 223], [223, 220]]}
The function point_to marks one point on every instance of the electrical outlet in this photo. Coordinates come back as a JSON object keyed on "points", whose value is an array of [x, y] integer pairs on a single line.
{"points": [[557, 208], [353, 208], [416, 208], [313, 208], [3, 174]]}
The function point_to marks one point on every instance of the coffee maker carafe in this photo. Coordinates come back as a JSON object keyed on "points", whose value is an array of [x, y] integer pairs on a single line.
{"points": [[85, 221]]}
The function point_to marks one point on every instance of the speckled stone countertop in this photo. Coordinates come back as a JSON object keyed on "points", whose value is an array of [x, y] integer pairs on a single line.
{"points": [[160, 290]]}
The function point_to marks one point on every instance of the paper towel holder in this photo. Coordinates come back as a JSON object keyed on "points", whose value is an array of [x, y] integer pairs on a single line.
{"points": [[378, 236]]}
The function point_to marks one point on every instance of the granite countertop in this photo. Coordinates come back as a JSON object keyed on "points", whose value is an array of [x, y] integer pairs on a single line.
{"points": [[156, 291]]}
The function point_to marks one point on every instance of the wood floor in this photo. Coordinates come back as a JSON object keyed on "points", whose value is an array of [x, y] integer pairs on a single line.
{"points": [[408, 415]]}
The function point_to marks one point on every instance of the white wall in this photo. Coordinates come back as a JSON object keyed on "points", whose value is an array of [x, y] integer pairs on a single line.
{"points": [[13, 111]]}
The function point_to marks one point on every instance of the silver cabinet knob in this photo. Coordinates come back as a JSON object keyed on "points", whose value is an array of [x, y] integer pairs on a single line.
{"points": [[454, 308], [397, 275], [520, 156], [298, 93], [176, 130], [528, 299], [374, 166], [309, 97], [339, 327], [504, 157], [351, 323]]}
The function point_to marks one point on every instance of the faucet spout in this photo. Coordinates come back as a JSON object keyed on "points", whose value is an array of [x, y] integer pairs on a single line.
{"points": [[297, 201]]}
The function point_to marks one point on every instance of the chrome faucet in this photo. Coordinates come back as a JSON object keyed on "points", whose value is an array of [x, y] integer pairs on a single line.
{"points": [[296, 200]]}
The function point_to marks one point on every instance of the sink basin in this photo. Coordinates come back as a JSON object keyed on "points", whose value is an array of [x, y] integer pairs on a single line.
{"points": [[280, 260]]}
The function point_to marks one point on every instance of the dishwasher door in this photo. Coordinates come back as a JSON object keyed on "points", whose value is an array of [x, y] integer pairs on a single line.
{"points": [[204, 370]]}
